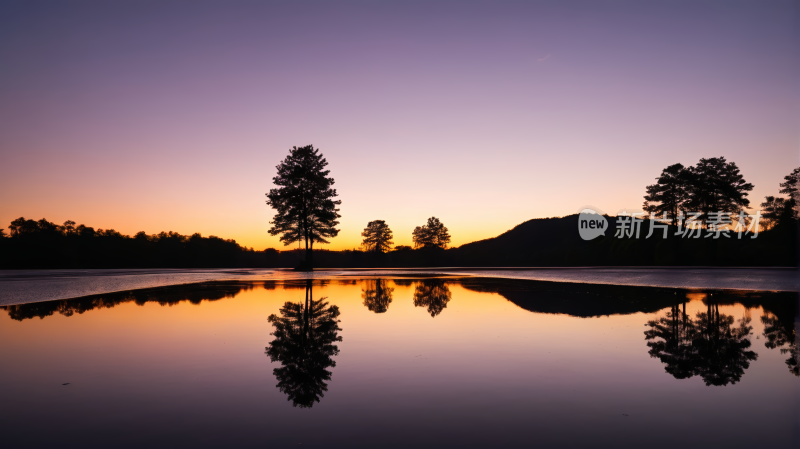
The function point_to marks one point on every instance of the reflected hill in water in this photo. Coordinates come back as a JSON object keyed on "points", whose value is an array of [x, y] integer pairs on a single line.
{"points": [[593, 300]]}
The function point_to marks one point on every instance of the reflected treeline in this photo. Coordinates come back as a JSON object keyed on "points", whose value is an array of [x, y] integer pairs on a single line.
{"points": [[165, 296], [712, 345], [432, 294], [305, 334], [377, 295]]}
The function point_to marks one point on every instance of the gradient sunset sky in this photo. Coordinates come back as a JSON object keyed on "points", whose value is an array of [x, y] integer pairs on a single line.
{"points": [[165, 115]]}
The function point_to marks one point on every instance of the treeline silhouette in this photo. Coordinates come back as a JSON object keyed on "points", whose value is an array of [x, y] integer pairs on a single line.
{"points": [[545, 242], [43, 244]]}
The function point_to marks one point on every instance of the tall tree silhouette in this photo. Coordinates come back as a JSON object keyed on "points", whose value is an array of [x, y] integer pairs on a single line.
{"points": [[305, 209], [668, 193], [305, 334], [377, 295], [670, 340], [377, 237], [722, 347], [432, 294], [715, 185], [791, 187], [431, 235]]}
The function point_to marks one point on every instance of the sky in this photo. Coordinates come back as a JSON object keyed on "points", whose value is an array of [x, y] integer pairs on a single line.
{"points": [[172, 115]]}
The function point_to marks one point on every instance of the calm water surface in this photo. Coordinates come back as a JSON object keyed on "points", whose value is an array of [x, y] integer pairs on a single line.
{"points": [[434, 362]]}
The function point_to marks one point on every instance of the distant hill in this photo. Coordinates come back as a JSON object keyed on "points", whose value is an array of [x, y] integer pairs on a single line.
{"points": [[545, 240], [555, 242]]}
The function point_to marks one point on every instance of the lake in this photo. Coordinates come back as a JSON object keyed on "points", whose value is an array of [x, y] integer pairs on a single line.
{"points": [[406, 360]]}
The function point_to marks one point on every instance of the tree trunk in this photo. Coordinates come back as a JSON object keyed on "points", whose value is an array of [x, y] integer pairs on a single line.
{"points": [[310, 256]]}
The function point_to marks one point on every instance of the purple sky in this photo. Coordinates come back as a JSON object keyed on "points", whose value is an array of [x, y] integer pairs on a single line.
{"points": [[172, 115]]}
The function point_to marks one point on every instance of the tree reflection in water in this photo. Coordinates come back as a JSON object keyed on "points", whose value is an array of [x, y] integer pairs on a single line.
{"points": [[712, 346], [377, 295], [433, 294], [722, 347], [672, 337], [784, 336], [305, 334]]}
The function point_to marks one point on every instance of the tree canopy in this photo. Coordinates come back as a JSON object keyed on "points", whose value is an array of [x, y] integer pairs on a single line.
{"points": [[783, 211], [669, 192], [791, 187], [432, 235], [715, 185], [305, 209], [377, 237], [712, 185]]}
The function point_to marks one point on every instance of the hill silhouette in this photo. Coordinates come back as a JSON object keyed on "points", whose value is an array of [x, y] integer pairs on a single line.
{"points": [[555, 242]]}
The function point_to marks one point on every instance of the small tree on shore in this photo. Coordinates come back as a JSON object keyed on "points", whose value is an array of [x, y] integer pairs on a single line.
{"points": [[431, 235], [377, 237], [304, 204]]}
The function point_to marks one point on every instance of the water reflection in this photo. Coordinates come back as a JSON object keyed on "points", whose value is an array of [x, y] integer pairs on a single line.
{"points": [[377, 295], [713, 346], [432, 294], [782, 335], [305, 334], [709, 344], [670, 340], [165, 296]]}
